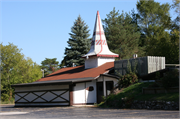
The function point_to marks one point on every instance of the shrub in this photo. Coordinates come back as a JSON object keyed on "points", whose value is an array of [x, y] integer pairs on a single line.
{"points": [[171, 79], [4, 97], [128, 79]]}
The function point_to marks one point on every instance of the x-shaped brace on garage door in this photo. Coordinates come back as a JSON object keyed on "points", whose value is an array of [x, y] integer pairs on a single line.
{"points": [[59, 96], [39, 96], [21, 97]]}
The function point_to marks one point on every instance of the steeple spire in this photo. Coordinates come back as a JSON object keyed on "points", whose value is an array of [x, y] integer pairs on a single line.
{"points": [[99, 52], [99, 46]]}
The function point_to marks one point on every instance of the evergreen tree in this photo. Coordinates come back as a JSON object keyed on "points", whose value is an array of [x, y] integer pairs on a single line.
{"points": [[78, 44], [49, 65], [122, 34]]}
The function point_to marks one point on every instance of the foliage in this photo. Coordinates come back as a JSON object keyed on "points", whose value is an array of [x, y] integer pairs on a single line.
{"points": [[63, 63], [49, 65], [122, 33], [174, 45], [176, 4], [168, 46], [15, 68], [78, 44], [171, 79], [4, 97], [153, 17], [155, 23], [134, 92], [8, 101], [128, 79]]}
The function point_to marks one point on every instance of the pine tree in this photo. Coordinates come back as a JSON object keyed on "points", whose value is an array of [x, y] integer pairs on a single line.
{"points": [[78, 44], [122, 34], [49, 65]]}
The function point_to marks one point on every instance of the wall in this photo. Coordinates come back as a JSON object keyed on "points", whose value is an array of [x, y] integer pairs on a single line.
{"points": [[163, 105], [93, 62], [41, 87], [83, 96], [144, 65], [103, 60]]}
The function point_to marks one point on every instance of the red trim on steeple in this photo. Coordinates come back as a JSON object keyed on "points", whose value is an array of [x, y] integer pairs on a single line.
{"points": [[99, 32], [107, 55], [99, 55]]}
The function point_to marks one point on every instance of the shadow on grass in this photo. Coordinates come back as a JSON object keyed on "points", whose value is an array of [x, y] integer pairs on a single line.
{"points": [[134, 92]]}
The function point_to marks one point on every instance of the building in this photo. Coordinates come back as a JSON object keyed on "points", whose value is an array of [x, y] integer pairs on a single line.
{"points": [[74, 85]]}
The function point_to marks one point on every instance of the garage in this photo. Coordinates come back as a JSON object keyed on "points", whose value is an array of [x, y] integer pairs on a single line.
{"points": [[43, 94]]}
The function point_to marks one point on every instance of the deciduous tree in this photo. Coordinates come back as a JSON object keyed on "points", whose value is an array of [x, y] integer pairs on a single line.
{"points": [[153, 19], [159, 30], [16, 68]]}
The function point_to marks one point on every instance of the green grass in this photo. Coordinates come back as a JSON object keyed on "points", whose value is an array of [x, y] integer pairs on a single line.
{"points": [[164, 97], [134, 92]]}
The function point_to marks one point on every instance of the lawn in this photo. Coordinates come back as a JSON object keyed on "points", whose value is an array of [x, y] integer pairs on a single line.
{"points": [[134, 92]]}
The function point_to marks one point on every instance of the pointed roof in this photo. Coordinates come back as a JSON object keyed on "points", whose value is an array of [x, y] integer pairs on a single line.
{"points": [[99, 46]]}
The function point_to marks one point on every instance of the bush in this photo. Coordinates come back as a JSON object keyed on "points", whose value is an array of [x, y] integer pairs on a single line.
{"points": [[171, 79], [128, 79], [4, 97]]}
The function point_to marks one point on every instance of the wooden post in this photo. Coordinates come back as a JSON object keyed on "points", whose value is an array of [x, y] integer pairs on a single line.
{"points": [[71, 94]]}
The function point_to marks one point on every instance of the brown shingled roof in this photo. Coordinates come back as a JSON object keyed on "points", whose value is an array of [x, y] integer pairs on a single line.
{"points": [[78, 72]]}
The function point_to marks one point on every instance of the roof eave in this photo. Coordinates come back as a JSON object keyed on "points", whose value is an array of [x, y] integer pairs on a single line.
{"points": [[108, 75], [59, 82]]}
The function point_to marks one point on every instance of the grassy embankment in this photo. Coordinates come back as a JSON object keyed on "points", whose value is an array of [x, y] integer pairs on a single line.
{"points": [[134, 92]]}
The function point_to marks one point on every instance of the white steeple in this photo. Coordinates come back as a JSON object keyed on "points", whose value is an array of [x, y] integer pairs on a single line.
{"points": [[99, 52]]}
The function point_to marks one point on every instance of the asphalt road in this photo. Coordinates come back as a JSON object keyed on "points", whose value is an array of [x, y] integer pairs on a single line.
{"points": [[11, 112]]}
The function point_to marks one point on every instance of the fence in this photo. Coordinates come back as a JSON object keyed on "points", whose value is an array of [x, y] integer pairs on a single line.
{"points": [[142, 65]]}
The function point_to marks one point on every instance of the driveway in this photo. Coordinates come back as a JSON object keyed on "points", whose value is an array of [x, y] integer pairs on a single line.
{"points": [[11, 112]]}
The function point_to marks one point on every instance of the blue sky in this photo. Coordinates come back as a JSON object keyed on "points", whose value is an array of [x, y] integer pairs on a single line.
{"points": [[41, 27]]}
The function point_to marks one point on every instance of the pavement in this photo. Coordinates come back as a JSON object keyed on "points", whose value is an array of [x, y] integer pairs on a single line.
{"points": [[83, 106], [82, 112]]}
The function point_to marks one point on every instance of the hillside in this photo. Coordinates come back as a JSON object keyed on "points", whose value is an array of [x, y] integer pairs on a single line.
{"points": [[128, 95]]}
